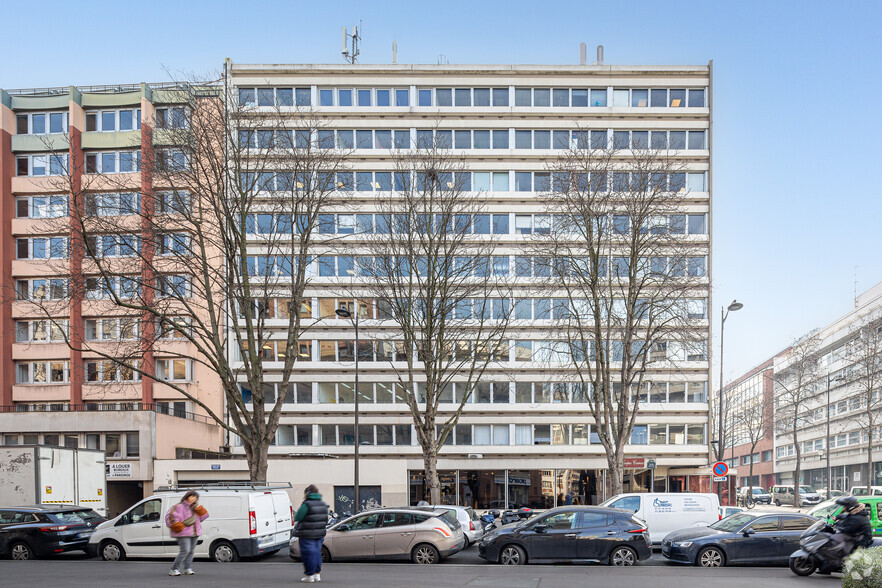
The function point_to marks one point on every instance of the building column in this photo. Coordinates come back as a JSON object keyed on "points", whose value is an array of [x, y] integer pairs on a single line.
{"points": [[7, 246], [76, 167], [148, 247]]}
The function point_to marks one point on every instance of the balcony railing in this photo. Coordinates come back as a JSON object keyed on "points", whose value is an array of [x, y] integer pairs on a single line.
{"points": [[106, 407]]}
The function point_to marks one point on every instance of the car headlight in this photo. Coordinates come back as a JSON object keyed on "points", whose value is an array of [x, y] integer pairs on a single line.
{"points": [[682, 543]]}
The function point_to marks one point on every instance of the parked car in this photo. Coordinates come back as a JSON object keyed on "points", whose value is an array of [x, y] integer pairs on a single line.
{"points": [[472, 526], [833, 494], [829, 509], [666, 512], [27, 532], [754, 538], [760, 496], [864, 491], [570, 533], [243, 522], [784, 495], [726, 511], [425, 535]]}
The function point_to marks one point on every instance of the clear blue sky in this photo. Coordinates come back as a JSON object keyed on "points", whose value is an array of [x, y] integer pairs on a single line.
{"points": [[797, 95]]}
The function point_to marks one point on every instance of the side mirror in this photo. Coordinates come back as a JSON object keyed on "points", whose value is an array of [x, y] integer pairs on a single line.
{"points": [[342, 528], [540, 528], [749, 531]]}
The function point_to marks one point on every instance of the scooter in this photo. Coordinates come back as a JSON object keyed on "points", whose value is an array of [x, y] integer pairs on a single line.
{"points": [[815, 543], [488, 521], [332, 518]]}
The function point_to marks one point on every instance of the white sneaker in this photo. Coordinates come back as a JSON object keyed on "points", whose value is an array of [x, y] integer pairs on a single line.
{"points": [[189, 572], [307, 579], [174, 573], [318, 577]]}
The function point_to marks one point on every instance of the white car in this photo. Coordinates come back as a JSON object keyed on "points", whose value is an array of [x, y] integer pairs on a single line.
{"points": [[472, 527], [242, 522], [667, 512]]}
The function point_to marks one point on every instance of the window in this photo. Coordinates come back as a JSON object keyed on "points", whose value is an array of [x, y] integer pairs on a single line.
{"points": [[47, 164], [559, 521], [113, 162], [173, 370], [104, 121], [35, 123], [765, 524], [172, 117]]}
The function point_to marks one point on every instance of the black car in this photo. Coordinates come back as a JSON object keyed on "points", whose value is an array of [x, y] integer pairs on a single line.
{"points": [[754, 538], [570, 533], [27, 532]]}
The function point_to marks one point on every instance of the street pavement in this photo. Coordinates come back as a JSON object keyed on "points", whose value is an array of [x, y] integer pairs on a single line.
{"points": [[463, 569]]}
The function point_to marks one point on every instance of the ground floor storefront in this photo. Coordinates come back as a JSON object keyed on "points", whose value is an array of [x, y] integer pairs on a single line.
{"points": [[843, 476], [497, 483]]}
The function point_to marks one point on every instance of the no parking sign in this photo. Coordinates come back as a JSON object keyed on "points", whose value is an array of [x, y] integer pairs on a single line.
{"points": [[720, 469]]}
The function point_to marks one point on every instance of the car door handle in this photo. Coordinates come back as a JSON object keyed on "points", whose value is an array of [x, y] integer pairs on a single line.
{"points": [[406, 534], [157, 526], [368, 536], [571, 535], [610, 532]]}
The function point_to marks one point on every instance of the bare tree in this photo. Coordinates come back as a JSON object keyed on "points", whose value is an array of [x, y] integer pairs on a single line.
{"points": [[434, 278], [216, 255], [752, 420], [795, 387], [629, 276], [865, 355]]}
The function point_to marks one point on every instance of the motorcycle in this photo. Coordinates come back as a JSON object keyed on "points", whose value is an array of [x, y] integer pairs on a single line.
{"points": [[488, 520], [332, 518], [815, 553]]}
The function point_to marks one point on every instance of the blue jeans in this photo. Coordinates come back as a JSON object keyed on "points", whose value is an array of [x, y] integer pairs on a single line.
{"points": [[311, 554], [185, 555]]}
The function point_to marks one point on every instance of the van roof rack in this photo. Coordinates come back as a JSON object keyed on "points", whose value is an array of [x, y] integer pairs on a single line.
{"points": [[226, 486]]}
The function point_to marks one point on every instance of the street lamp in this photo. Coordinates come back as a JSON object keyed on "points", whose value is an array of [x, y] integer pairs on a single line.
{"points": [[345, 314], [827, 441], [721, 445]]}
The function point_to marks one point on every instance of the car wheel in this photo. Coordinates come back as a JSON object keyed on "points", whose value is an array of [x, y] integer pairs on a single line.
{"points": [[326, 555], [777, 502], [623, 556], [425, 554], [512, 555], [711, 557], [21, 551], [112, 551], [224, 552]]}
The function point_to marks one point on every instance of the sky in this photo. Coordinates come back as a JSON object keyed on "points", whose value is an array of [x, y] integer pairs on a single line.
{"points": [[796, 92]]}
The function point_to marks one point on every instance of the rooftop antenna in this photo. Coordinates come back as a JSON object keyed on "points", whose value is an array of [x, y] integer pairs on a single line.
{"points": [[351, 54], [855, 287]]}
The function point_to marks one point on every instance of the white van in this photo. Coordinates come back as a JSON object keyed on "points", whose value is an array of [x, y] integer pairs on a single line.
{"points": [[667, 512], [864, 491], [244, 521]]}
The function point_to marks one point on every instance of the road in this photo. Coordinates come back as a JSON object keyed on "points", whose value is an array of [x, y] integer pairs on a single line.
{"points": [[464, 569]]}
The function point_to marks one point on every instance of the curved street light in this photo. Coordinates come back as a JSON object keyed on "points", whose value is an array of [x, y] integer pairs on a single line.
{"points": [[721, 445], [345, 313]]}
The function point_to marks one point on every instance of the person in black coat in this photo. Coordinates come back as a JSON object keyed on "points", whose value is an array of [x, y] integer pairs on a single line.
{"points": [[312, 520]]}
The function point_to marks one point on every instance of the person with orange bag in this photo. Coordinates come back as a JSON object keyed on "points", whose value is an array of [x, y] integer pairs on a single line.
{"points": [[185, 522]]}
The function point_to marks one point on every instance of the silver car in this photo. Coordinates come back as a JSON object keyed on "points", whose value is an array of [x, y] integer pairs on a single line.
{"points": [[423, 535], [471, 523]]}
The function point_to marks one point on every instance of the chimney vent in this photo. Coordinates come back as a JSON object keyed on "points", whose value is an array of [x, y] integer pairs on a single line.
{"points": [[583, 54], [600, 55]]}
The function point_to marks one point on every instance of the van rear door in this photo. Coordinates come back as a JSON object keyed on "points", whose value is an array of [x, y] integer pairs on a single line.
{"points": [[264, 517], [282, 506]]}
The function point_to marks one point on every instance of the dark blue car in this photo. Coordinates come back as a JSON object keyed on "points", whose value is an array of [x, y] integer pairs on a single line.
{"points": [[570, 534], [754, 538]]}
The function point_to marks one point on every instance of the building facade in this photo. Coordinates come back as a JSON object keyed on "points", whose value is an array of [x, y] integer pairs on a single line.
{"points": [[834, 424], [750, 423], [80, 149], [524, 437]]}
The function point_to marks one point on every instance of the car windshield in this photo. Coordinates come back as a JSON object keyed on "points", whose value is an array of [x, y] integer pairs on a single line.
{"points": [[759, 491], [75, 516], [732, 523], [824, 509], [807, 489]]}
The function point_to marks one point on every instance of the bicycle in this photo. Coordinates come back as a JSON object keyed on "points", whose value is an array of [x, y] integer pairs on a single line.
{"points": [[746, 502]]}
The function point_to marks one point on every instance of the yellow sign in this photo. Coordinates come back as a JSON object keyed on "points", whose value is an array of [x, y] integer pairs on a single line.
{"points": [[100, 491], [48, 489]]}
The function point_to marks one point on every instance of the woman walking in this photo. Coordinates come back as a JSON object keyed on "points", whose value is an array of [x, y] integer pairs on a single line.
{"points": [[312, 519], [185, 522]]}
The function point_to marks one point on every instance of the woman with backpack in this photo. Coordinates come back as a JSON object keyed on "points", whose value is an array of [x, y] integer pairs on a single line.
{"points": [[185, 522]]}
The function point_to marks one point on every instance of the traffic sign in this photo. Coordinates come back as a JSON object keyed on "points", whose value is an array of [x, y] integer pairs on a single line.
{"points": [[720, 479], [720, 469], [651, 464]]}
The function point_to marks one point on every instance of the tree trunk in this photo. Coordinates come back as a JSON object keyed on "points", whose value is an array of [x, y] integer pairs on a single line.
{"points": [[871, 479], [796, 475], [258, 460], [616, 473], [433, 483]]}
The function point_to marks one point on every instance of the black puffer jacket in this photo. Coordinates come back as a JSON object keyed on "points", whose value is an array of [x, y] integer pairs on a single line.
{"points": [[312, 517], [858, 527]]}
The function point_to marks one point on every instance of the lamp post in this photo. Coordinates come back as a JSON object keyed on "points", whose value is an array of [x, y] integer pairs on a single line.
{"points": [[346, 314], [827, 441], [721, 446]]}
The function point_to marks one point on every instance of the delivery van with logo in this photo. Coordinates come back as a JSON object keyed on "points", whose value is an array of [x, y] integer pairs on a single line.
{"points": [[667, 512]]}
